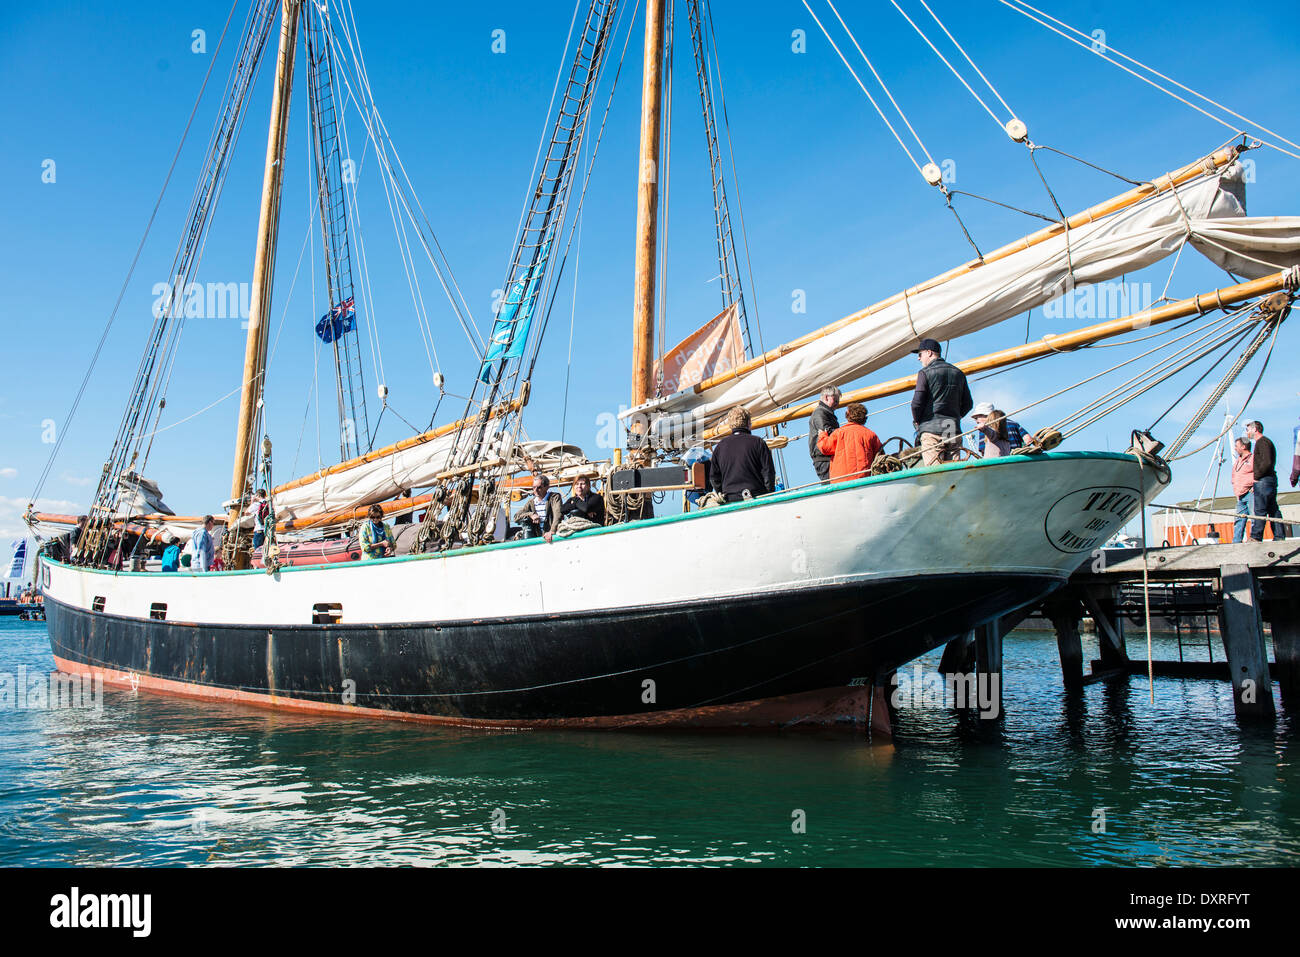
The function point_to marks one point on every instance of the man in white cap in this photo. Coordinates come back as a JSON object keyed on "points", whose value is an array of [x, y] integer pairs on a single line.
{"points": [[1016, 433]]}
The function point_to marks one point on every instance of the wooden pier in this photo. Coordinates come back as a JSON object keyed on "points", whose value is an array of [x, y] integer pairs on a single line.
{"points": [[1241, 586]]}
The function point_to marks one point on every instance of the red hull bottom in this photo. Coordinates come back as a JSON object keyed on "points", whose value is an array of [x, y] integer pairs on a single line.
{"points": [[851, 708]]}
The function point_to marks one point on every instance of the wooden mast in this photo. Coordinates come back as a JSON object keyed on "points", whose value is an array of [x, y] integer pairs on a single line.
{"points": [[647, 202], [268, 227]]}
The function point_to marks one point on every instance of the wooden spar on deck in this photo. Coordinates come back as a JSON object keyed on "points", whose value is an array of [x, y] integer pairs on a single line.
{"points": [[647, 202], [1161, 184], [1203, 302], [268, 227]]}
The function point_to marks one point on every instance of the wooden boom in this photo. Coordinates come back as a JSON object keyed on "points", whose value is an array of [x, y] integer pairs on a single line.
{"points": [[1161, 184], [1201, 303]]}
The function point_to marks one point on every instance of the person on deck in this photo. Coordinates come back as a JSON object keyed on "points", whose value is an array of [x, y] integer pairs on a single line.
{"points": [[992, 434], [540, 514], [852, 447], [376, 537], [584, 503], [1243, 482], [260, 509], [1264, 499], [941, 398], [823, 420], [1295, 456], [201, 547], [742, 465], [1016, 434]]}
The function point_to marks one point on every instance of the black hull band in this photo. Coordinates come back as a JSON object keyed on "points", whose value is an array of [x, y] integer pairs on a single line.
{"points": [[591, 665]]}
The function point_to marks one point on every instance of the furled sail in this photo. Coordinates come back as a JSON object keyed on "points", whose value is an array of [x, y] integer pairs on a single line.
{"points": [[1101, 244], [1250, 246], [376, 477]]}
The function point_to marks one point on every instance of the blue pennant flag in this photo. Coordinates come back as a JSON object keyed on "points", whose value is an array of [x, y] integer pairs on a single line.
{"points": [[513, 322], [339, 321]]}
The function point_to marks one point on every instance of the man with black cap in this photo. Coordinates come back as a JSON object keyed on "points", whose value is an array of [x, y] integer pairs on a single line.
{"points": [[941, 398]]}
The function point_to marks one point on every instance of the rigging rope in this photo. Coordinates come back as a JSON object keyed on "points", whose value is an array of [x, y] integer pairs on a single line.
{"points": [[1034, 14], [955, 72], [135, 259], [864, 89], [735, 179]]}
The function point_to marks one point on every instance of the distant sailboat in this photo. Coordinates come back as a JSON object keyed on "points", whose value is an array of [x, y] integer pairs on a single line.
{"points": [[15, 580], [786, 610]]}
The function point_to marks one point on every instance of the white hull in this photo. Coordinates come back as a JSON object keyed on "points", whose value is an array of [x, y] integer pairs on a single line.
{"points": [[982, 517], [678, 619]]}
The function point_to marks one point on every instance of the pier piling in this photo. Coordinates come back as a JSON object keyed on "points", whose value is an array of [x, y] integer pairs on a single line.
{"points": [[1284, 616], [988, 659], [958, 655], [1242, 628], [1064, 614]]}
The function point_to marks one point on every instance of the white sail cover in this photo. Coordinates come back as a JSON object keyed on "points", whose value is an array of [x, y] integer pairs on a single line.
{"points": [[379, 480], [1250, 246], [137, 495], [1122, 242]]}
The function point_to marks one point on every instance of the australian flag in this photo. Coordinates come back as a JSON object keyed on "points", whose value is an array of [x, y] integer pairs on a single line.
{"points": [[339, 321]]}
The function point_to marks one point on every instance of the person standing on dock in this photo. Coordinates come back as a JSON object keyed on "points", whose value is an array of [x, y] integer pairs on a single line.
{"points": [[1265, 492], [823, 420], [941, 399], [1295, 456], [742, 465], [1243, 482]]}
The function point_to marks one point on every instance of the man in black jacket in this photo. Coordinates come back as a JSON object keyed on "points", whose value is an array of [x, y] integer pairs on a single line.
{"points": [[585, 503], [742, 465], [823, 420], [1264, 496], [941, 398]]}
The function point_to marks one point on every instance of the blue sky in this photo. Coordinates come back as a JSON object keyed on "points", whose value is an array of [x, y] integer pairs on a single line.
{"points": [[832, 207]]}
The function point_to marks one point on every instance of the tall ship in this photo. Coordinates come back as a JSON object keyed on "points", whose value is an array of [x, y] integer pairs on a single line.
{"points": [[785, 610]]}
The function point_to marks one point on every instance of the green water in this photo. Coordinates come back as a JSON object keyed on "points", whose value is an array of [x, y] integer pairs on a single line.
{"points": [[162, 781]]}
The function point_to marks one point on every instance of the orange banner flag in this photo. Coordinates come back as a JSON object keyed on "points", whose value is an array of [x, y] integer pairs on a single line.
{"points": [[714, 348]]}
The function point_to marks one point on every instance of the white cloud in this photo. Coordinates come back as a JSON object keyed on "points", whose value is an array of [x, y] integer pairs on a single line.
{"points": [[8, 473], [75, 479], [12, 509]]}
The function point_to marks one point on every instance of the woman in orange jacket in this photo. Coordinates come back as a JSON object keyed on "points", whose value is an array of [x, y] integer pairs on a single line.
{"points": [[852, 447]]}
